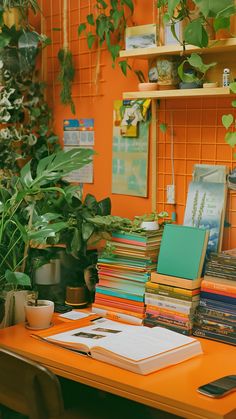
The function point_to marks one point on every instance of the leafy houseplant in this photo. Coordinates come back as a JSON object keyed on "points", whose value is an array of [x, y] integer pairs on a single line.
{"points": [[195, 74], [106, 26]]}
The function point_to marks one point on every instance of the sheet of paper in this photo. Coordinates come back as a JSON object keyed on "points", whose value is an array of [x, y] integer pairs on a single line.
{"points": [[75, 315]]}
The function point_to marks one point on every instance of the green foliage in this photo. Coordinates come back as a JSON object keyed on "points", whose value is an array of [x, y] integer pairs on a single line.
{"points": [[30, 208], [195, 33], [66, 77], [108, 24], [195, 62], [229, 122]]}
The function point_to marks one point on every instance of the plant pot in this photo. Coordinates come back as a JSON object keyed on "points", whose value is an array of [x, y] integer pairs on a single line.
{"points": [[48, 274], [145, 87], [149, 225], [40, 316], [14, 312], [77, 296], [194, 85]]}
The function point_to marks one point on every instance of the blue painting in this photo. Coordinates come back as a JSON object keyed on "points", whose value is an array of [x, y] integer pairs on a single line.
{"points": [[205, 208]]}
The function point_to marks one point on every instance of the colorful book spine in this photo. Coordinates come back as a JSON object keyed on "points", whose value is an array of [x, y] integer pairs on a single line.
{"points": [[218, 292], [118, 293], [118, 299], [218, 297], [117, 316], [229, 289], [214, 336]]}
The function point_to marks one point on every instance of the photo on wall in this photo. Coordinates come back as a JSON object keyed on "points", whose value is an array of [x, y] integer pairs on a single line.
{"points": [[130, 148]]}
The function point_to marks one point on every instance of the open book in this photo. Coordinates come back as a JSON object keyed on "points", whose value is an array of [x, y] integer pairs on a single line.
{"points": [[136, 348]]}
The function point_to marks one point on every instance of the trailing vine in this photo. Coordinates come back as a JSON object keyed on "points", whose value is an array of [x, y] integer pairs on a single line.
{"points": [[106, 26]]}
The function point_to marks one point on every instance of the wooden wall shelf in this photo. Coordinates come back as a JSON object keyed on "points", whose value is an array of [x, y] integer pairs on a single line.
{"points": [[148, 53], [178, 93]]}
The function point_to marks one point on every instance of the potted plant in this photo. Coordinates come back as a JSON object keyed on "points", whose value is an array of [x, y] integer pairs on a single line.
{"points": [[150, 221], [192, 71], [38, 313], [145, 85], [23, 221]]}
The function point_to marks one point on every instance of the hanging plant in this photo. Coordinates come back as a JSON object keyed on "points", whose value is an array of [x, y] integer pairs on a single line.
{"points": [[66, 77], [106, 26], [229, 122], [67, 70]]}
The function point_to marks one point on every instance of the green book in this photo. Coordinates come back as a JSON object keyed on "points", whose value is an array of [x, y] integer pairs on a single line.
{"points": [[182, 251]]}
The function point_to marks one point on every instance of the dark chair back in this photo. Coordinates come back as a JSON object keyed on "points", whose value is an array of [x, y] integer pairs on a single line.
{"points": [[29, 388]]}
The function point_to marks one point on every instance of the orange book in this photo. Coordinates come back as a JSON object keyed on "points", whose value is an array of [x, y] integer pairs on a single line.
{"points": [[175, 281], [218, 292], [118, 310]]}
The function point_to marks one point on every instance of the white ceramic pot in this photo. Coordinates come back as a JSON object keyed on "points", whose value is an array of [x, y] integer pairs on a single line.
{"points": [[48, 274], [40, 316], [149, 225]]}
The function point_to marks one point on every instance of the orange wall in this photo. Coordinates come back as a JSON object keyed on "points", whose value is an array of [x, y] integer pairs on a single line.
{"points": [[198, 132]]}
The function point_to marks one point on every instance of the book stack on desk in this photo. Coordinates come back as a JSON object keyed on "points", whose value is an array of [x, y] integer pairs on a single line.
{"points": [[123, 275], [216, 315], [173, 293]]}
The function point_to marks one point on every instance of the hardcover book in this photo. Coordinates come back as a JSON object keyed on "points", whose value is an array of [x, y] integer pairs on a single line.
{"points": [[182, 251], [175, 281], [136, 348]]}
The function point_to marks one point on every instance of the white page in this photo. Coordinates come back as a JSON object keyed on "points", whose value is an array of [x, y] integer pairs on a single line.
{"points": [[99, 331], [144, 343]]}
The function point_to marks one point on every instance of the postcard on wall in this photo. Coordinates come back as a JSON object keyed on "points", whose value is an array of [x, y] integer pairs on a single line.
{"points": [[210, 173], [129, 155], [83, 175], [205, 208], [79, 132]]}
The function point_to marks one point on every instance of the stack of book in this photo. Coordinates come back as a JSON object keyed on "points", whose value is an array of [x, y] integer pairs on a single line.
{"points": [[216, 315], [173, 293], [222, 265], [123, 275]]}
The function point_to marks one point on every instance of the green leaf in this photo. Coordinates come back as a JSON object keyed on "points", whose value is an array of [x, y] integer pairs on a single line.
{"points": [[213, 8], [4, 40], [233, 103], [87, 230], [114, 51], [221, 23], [103, 4], [124, 66], [196, 62], [163, 127], [233, 87], [90, 39], [17, 278], [172, 5], [25, 175], [90, 19], [227, 120], [230, 139], [81, 28], [130, 5], [195, 34]]}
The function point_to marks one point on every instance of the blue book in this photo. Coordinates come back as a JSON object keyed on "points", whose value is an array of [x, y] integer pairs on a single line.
{"points": [[218, 297], [118, 293]]}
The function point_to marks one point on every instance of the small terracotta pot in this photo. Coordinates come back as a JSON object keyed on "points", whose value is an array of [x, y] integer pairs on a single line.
{"points": [[144, 87]]}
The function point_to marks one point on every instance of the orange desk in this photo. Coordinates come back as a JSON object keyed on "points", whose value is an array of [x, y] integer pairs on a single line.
{"points": [[172, 389]]}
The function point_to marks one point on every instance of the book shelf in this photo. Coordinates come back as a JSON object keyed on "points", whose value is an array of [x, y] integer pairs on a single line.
{"points": [[178, 93], [215, 46], [221, 48]]}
